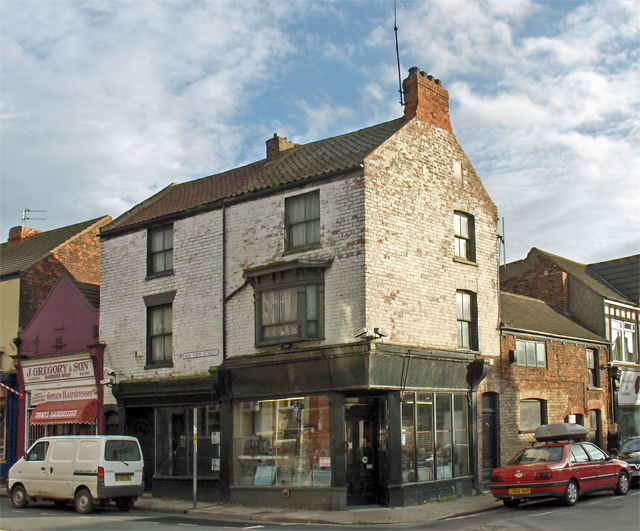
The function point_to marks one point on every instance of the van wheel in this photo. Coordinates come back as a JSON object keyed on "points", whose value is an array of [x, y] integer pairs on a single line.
{"points": [[83, 501], [571, 494], [19, 497], [124, 504]]}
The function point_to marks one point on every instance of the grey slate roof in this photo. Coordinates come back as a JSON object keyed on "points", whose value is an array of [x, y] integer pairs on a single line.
{"points": [[305, 161], [520, 313], [18, 257], [91, 292], [623, 274], [587, 276]]}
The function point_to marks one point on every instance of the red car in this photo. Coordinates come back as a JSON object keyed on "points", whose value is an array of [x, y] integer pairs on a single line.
{"points": [[560, 465]]}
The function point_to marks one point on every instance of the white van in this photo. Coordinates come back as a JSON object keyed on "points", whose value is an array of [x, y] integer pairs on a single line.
{"points": [[85, 469]]}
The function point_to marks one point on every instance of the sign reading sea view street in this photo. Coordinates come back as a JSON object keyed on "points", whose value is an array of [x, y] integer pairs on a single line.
{"points": [[200, 354]]}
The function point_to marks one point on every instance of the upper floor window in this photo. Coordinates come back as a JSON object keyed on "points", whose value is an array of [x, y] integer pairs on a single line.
{"points": [[464, 235], [160, 244], [533, 413], [623, 341], [531, 354], [289, 301], [593, 369], [302, 221], [160, 335], [467, 316]]}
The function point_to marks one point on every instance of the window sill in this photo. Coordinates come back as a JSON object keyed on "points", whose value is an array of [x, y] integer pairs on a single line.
{"points": [[289, 342], [526, 432], [302, 248], [464, 261], [159, 365], [592, 388], [159, 275]]}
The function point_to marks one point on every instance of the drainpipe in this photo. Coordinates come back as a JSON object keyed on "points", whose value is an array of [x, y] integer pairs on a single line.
{"points": [[224, 283]]}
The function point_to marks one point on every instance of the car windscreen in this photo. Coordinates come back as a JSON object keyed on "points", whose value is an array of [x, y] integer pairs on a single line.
{"points": [[630, 446], [551, 454], [121, 451]]}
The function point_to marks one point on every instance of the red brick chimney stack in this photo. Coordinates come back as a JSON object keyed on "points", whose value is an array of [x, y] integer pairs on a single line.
{"points": [[425, 98], [276, 145], [19, 233]]}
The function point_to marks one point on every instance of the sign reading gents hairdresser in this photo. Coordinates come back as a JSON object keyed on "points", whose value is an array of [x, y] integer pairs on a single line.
{"points": [[52, 372]]}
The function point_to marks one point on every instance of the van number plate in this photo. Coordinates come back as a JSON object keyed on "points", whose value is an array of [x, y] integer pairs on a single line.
{"points": [[519, 491], [123, 478]]}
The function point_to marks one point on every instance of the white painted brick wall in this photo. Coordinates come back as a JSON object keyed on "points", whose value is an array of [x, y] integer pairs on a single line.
{"points": [[397, 274]]}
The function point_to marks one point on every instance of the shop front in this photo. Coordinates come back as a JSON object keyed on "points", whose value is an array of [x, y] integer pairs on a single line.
{"points": [[167, 416], [627, 400], [356, 425], [61, 398]]}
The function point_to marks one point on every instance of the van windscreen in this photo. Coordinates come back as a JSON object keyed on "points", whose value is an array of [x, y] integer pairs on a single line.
{"points": [[121, 451]]}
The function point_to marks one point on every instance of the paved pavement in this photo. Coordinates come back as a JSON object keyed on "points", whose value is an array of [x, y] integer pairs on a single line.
{"points": [[436, 510]]}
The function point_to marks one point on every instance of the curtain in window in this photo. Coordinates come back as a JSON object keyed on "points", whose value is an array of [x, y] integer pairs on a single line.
{"points": [[279, 313]]}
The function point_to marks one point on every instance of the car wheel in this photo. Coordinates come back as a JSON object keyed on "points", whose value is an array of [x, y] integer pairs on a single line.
{"points": [[511, 504], [60, 503], [19, 497], [571, 494], [83, 501], [623, 484], [124, 504]]}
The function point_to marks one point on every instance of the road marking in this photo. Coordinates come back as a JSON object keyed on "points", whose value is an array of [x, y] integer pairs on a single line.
{"points": [[542, 514], [189, 525]]}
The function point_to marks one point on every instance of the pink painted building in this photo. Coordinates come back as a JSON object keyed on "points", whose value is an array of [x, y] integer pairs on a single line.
{"points": [[60, 366]]}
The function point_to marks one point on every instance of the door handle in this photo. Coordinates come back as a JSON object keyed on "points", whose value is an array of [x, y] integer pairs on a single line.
{"points": [[51, 471]]}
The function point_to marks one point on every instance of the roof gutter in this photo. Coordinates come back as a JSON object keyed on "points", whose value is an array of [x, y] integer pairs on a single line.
{"points": [[216, 205], [537, 333]]}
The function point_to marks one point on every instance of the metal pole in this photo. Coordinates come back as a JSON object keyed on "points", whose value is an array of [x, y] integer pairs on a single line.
{"points": [[195, 457]]}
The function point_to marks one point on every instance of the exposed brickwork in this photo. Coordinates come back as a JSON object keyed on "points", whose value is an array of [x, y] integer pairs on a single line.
{"points": [[19, 233], [543, 280], [425, 98], [276, 145], [411, 274], [563, 384], [79, 259]]}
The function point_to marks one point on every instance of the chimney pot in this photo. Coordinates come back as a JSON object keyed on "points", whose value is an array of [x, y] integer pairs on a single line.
{"points": [[425, 98], [276, 145], [19, 233]]}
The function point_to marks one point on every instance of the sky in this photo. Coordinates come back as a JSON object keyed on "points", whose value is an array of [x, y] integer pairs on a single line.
{"points": [[103, 103]]}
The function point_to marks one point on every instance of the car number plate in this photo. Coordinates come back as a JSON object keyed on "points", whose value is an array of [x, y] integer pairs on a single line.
{"points": [[635, 472], [519, 491], [123, 478]]}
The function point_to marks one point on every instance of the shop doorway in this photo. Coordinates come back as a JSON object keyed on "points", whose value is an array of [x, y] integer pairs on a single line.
{"points": [[363, 455], [489, 437]]}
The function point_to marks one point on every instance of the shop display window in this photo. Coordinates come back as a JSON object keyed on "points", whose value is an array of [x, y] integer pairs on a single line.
{"points": [[282, 442], [174, 442], [435, 438]]}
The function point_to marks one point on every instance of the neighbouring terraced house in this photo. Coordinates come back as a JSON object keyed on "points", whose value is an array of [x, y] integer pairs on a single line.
{"points": [[325, 314]]}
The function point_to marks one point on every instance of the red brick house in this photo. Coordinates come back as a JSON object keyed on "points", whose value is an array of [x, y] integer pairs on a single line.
{"points": [[550, 369], [604, 298]]}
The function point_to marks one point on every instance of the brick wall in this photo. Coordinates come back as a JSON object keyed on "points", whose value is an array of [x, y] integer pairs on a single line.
{"points": [[537, 277], [411, 193], [563, 385], [79, 259]]}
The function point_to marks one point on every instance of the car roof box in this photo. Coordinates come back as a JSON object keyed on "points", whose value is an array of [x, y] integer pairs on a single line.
{"points": [[561, 432]]}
